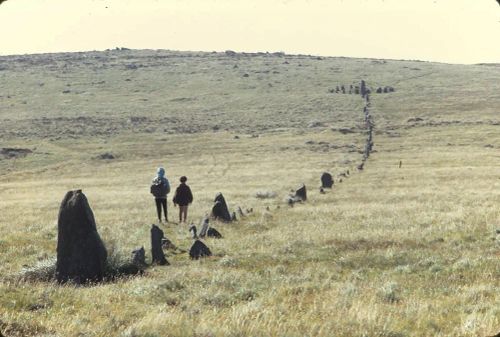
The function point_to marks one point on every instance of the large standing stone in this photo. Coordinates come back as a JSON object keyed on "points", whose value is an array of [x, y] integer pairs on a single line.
{"points": [[220, 210], [326, 180], [81, 255], [156, 246]]}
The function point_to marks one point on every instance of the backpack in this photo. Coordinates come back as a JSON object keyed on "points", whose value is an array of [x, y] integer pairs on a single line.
{"points": [[160, 188]]}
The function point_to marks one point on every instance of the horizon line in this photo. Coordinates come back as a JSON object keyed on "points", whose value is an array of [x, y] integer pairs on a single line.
{"points": [[243, 53]]}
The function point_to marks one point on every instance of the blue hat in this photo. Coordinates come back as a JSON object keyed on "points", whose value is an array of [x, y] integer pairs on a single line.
{"points": [[160, 172]]}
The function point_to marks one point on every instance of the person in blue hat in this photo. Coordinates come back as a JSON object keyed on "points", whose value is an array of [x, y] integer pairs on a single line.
{"points": [[160, 187]]}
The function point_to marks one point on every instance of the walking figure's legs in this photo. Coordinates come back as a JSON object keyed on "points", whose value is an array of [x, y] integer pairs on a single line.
{"points": [[158, 208], [164, 204]]}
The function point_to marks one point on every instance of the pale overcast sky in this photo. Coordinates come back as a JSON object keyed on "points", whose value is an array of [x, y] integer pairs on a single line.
{"points": [[454, 31]]}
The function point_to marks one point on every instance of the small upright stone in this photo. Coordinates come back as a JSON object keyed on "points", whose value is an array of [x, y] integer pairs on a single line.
{"points": [[213, 233], [363, 88], [139, 257], [81, 254], [220, 210], [240, 212], [326, 180], [156, 246], [204, 227], [301, 193], [137, 265]]}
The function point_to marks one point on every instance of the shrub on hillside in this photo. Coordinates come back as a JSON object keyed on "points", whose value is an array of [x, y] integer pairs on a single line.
{"points": [[265, 195], [389, 292], [44, 271]]}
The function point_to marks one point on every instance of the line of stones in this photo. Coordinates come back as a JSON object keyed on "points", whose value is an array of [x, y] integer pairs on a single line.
{"points": [[369, 124]]}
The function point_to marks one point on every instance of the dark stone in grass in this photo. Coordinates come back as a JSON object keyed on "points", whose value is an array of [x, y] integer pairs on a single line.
{"points": [[156, 246], [168, 244], [106, 156], [346, 131], [326, 180], [214, 233], [220, 210], [139, 257], [301, 193], [10, 152], [193, 230], [135, 266], [363, 88], [81, 255], [199, 249]]}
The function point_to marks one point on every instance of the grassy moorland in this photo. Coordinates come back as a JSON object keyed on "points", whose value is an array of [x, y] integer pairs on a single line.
{"points": [[390, 251]]}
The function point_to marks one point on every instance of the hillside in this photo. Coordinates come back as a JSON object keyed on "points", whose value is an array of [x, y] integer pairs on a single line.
{"points": [[389, 251]]}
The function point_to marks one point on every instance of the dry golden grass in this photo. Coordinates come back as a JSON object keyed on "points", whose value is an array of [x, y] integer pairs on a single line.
{"points": [[409, 251]]}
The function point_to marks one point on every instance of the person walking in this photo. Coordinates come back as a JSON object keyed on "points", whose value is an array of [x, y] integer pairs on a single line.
{"points": [[183, 197], [160, 187]]}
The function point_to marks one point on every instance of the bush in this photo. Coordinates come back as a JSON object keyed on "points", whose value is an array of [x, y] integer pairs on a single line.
{"points": [[117, 265], [265, 195], [390, 292], [44, 271]]}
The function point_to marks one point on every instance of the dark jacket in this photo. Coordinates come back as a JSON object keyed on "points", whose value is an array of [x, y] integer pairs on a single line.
{"points": [[160, 187], [183, 195]]}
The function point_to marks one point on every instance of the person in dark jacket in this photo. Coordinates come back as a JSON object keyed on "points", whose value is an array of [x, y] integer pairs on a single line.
{"points": [[160, 187], [183, 197]]}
